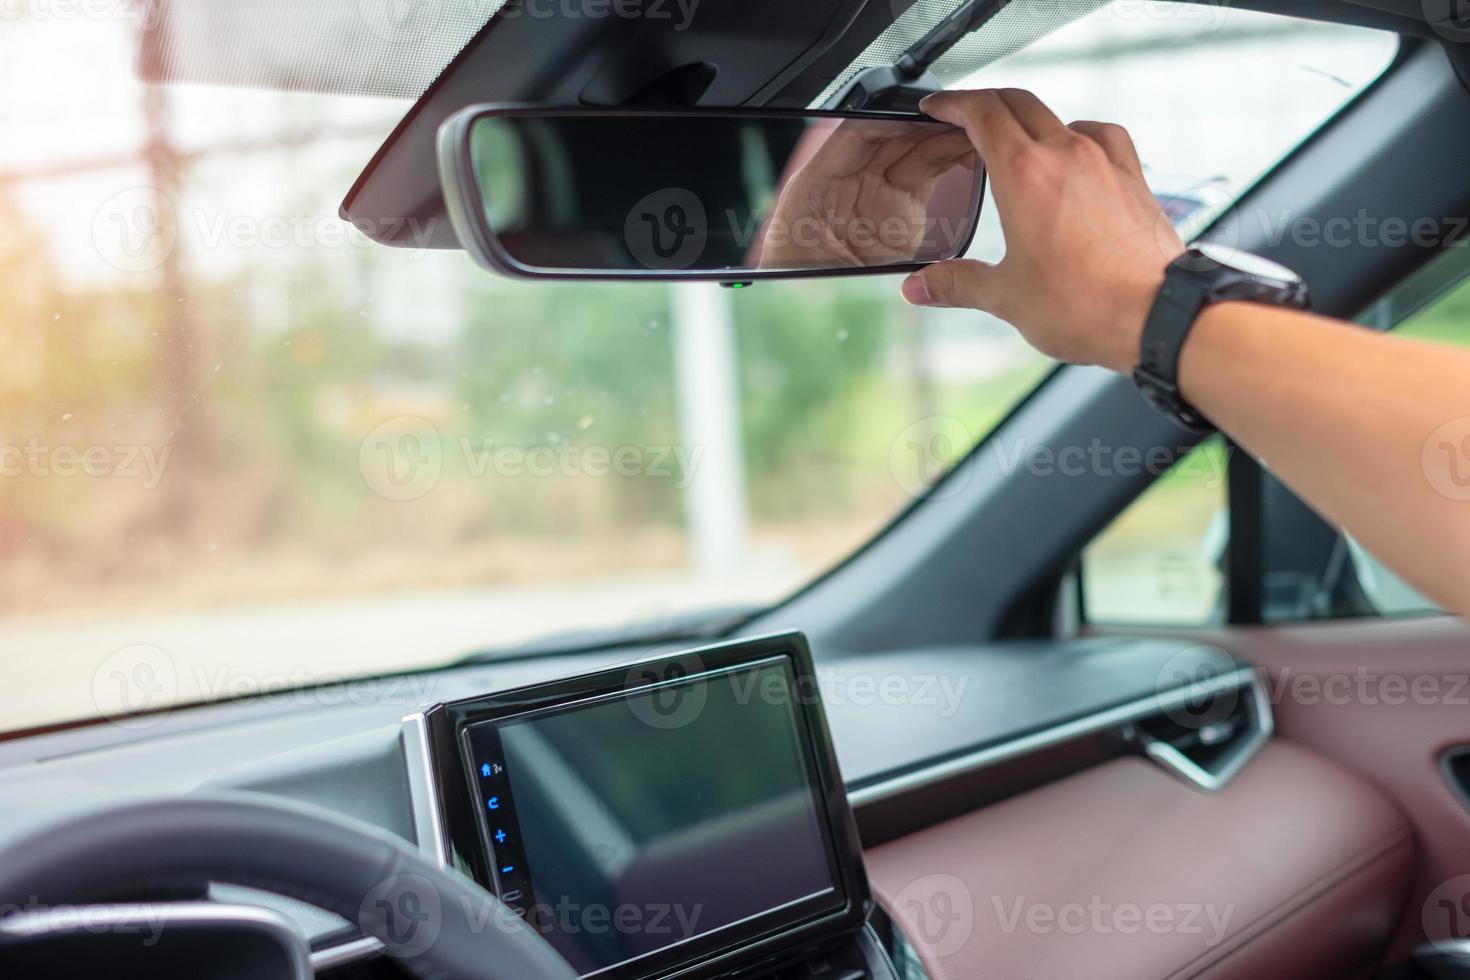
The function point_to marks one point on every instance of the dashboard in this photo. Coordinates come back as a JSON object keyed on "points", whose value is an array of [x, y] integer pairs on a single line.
{"points": [[746, 805], [683, 811]]}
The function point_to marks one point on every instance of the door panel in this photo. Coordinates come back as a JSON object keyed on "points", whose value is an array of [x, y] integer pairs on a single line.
{"points": [[1386, 698], [1296, 868]]}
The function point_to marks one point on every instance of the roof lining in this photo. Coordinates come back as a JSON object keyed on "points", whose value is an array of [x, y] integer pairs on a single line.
{"points": [[552, 62]]}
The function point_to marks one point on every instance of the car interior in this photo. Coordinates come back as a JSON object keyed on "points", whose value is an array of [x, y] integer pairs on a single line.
{"points": [[1024, 721]]}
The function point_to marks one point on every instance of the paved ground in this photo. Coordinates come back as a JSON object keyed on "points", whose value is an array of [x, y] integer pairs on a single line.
{"points": [[67, 667]]}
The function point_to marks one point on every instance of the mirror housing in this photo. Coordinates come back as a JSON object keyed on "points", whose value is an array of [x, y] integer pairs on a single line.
{"points": [[723, 194]]}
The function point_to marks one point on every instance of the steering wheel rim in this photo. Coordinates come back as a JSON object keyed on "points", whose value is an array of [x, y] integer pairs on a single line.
{"points": [[438, 924]]}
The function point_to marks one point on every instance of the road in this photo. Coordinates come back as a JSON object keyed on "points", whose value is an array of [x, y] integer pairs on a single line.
{"points": [[65, 667]]}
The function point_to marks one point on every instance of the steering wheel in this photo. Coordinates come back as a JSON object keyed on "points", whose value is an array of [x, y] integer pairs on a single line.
{"points": [[438, 924]]}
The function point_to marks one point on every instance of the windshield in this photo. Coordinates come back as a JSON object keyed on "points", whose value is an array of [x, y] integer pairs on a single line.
{"points": [[244, 449]]}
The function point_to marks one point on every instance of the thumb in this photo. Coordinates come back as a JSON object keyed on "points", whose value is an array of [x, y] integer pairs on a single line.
{"points": [[955, 282]]}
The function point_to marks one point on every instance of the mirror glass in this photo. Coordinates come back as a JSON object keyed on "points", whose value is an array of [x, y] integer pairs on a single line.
{"points": [[669, 194]]}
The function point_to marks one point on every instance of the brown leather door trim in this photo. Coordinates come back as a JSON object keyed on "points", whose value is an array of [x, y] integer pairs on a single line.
{"points": [[1387, 698], [991, 894]]}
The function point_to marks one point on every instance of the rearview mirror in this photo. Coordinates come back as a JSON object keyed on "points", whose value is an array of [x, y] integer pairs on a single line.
{"points": [[708, 194]]}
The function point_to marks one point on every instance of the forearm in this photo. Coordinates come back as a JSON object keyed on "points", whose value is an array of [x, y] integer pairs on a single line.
{"points": [[1373, 431], [1359, 424]]}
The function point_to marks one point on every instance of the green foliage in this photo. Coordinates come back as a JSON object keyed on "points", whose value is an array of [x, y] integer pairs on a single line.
{"points": [[284, 368], [541, 362], [806, 351], [1446, 321]]}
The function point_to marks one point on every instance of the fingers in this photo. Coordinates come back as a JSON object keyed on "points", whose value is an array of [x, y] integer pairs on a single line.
{"points": [[846, 149], [1039, 121], [986, 119], [929, 159], [1000, 121], [957, 282], [995, 118], [1114, 140]]}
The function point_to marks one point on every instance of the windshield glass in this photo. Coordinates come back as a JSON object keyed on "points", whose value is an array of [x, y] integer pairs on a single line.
{"points": [[244, 449]]}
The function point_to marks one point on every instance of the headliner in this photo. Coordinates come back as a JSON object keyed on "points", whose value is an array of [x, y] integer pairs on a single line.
{"points": [[452, 53]]}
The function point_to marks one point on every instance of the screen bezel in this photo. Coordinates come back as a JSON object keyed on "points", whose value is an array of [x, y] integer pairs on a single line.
{"points": [[747, 941]]}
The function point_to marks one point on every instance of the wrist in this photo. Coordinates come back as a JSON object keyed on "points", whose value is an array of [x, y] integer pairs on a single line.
{"points": [[1188, 303], [1202, 347], [1126, 335]]}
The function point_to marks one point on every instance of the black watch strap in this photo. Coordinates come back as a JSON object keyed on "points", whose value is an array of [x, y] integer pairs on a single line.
{"points": [[1175, 309], [1191, 282]]}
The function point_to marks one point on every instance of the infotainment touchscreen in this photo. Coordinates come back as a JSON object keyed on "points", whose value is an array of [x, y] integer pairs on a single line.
{"points": [[680, 811]]}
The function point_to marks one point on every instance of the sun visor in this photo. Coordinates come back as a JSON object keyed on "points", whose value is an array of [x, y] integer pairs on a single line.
{"points": [[385, 48], [590, 52]]}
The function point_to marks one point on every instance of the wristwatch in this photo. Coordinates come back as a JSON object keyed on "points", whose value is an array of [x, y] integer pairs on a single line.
{"points": [[1204, 274]]}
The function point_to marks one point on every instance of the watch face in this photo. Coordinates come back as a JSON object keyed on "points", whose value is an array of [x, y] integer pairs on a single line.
{"points": [[1251, 265]]}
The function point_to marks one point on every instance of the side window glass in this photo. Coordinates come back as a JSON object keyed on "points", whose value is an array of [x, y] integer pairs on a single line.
{"points": [[1388, 594], [1444, 320], [1161, 561]]}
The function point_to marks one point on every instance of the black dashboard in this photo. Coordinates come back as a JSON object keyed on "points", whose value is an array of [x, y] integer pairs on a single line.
{"points": [[919, 734], [682, 812]]}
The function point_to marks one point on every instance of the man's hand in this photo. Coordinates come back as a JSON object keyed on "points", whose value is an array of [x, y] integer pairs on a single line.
{"points": [[863, 198], [1364, 427], [1086, 243]]}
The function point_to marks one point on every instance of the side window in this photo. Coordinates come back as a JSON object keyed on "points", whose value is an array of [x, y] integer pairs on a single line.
{"points": [[1160, 562], [1313, 571], [1386, 593], [1444, 319]]}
